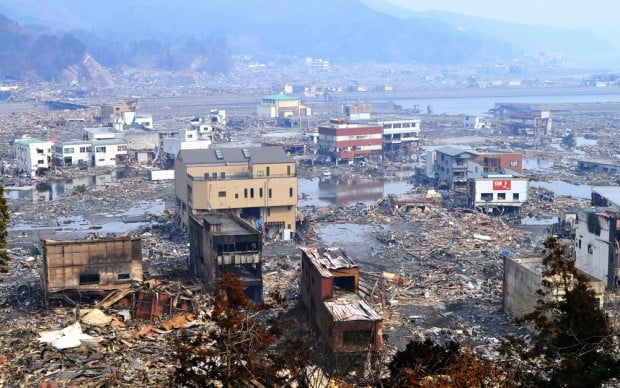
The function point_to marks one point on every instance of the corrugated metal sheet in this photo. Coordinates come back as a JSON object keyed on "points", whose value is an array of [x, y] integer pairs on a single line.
{"points": [[351, 308]]}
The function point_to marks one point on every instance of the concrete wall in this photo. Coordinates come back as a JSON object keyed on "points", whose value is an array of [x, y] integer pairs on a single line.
{"points": [[522, 278]]}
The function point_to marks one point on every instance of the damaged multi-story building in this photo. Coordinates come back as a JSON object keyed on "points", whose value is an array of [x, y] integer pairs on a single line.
{"points": [[258, 183], [76, 268], [223, 242], [329, 289]]}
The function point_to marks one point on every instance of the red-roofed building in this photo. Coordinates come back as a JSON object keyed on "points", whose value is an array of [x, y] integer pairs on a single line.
{"points": [[346, 142]]}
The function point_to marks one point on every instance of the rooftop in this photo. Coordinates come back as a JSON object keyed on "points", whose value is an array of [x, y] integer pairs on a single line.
{"points": [[455, 151], [328, 259], [228, 225], [218, 156], [29, 140], [350, 308], [113, 141], [280, 96]]}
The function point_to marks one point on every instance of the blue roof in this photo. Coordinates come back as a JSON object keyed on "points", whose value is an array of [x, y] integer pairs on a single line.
{"points": [[280, 96]]}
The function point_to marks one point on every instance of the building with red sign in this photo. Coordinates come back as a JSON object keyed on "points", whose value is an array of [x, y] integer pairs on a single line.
{"points": [[346, 142], [496, 193]]}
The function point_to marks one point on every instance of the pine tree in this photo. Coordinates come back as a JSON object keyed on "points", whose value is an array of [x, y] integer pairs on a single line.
{"points": [[5, 259], [574, 344], [246, 343]]}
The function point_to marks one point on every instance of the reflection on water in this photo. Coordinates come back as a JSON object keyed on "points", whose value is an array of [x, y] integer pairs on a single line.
{"points": [[49, 191], [342, 191]]}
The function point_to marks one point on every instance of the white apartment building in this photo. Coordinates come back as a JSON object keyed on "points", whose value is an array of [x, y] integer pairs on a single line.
{"points": [[72, 152], [498, 192], [33, 156], [109, 152], [188, 139], [399, 133]]}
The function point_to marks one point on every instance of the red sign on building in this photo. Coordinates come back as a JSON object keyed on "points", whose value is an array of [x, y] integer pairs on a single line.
{"points": [[501, 184]]}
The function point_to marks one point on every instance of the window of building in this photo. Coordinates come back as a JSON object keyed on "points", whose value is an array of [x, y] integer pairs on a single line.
{"points": [[501, 196], [267, 170], [288, 170], [486, 196], [123, 276], [269, 193], [236, 195], [69, 150], [214, 175], [39, 151], [288, 226], [222, 175], [122, 148], [268, 211], [252, 193], [515, 196], [40, 161], [82, 149], [357, 337], [89, 278], [260, 173], [245, 193], [100, 149], [260, 192], [221, 193], [290, 192]]}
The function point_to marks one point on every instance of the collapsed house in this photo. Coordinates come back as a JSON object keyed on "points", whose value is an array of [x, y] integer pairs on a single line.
{"points": [[221, 242], [329, 289], [72, 269]]}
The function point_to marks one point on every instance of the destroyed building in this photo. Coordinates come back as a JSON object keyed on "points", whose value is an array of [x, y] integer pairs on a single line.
{"points": [[523, 278], [33, 156], [606, 166], [329, 288], [89, 267], [451, 166], [259, 183], [498, 193], [223, 242], [597, 242]]}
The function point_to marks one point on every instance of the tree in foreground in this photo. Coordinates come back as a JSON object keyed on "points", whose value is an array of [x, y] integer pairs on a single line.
{"points": [[5, 259], [427, 364], [574, 344], [245, 344]]}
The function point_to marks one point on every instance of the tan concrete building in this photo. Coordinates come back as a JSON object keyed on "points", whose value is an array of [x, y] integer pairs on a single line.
{"points": [[259, 183]]}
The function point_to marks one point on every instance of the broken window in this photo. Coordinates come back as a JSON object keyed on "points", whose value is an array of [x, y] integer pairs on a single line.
{"points": [[501, 196], [100, 149], [89, 278], [486, 196], [123, 276], [345, 283], [357, 337]]}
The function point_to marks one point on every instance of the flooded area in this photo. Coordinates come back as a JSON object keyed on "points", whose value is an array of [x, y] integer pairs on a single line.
{"points": [[332, 191]]}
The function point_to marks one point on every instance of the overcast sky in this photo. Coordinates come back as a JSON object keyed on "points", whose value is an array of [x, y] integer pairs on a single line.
{"points": [[600, 16]]}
